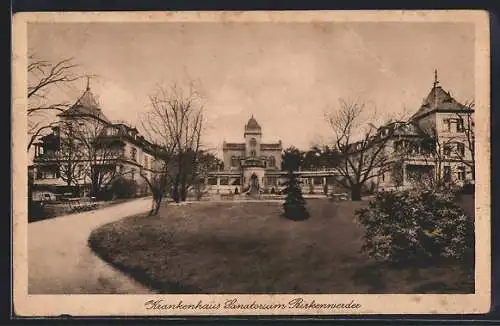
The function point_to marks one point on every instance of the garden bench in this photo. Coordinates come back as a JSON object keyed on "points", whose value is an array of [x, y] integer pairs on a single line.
{"points": [[342, 196], [227, 196], [78, 205]]}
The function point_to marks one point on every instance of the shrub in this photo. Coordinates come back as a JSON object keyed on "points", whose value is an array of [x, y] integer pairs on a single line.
{"points": [[124, 188], [294, 205], [416, 226], [468, 188], [36, 211]]}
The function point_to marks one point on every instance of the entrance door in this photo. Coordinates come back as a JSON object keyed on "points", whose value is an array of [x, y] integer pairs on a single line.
{"points": [[254, 181]]}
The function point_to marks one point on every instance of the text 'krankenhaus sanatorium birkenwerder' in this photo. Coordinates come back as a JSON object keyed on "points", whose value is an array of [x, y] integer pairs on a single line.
{"points": [[235, 304]]}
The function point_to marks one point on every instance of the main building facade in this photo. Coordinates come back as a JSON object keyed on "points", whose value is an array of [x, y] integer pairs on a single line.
{"points": [[254, 166]]}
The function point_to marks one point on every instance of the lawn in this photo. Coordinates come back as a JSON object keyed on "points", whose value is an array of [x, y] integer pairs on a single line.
{"points": [[247, 247]]}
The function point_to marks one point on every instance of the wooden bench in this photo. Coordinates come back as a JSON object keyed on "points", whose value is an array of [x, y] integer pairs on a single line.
{"points": [[78, 205], [227, 196]]}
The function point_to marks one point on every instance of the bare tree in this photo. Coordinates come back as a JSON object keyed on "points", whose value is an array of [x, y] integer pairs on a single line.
{"points": [[157, 183], [43, 77], [100, 153], [175, 123], [71, 160], [361, 146]]}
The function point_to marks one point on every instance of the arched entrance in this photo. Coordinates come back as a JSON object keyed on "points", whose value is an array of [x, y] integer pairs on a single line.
{"points": [[254, 181]]}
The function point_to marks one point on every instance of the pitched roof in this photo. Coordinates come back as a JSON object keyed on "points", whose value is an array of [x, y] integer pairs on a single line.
{"points": [[234, 146], [408, 129], [438, 100], [275, 146], [86, 105]]}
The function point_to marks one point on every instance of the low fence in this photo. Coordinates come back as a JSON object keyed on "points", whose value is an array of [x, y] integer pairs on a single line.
{"points": [[40, 210]]}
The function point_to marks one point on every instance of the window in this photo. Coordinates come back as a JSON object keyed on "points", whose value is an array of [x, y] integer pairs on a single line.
{"points": [[461, 173], [272, 162], [447, 124], [133, 154], [272, 181], [111, 131], [253, 145], [212, 181], [48, 173], [146, 162], [447, 150], [235, 162], [460, 125], [132, 174], [398, 145], [461, 149], [224, 181], [317, 180], [413, 148], [447, 173], [383, 177]]}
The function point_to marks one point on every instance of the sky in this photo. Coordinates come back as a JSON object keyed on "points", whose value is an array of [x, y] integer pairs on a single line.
{"points": [[287, 75]]}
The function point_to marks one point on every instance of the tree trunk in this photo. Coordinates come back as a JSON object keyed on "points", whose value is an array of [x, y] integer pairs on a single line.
{"points": [[175, 190], [158, 203], [183, 190], [356, 192], [157, 197]]}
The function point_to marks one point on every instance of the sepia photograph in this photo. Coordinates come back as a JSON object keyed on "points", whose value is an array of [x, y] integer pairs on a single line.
{"points": [[224, 163]]}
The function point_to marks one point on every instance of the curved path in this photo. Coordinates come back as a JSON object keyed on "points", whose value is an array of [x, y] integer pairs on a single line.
{"points": [[60, 261]]}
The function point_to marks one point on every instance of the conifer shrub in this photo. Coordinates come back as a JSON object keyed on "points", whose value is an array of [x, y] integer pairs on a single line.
{"points": [[416, 227], [295, 204]]}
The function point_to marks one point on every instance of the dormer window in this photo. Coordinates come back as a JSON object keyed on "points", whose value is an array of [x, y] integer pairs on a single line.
{"points": [[133, 154]]}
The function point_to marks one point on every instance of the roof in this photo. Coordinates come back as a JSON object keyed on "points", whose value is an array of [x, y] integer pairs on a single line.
{"points": [[438, 100], [408, 129], [86, 105], [252, 124], [234, 146], [276, 146]]}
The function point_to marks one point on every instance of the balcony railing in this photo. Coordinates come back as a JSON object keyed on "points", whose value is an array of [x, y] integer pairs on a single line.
{"points": [[253, 162]]}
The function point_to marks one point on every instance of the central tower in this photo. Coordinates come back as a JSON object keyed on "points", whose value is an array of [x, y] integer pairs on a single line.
{"points": [[253, 137], [253, 167]]}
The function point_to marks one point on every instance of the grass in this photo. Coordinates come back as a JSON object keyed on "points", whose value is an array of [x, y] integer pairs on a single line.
{"points": [[249, 248]]}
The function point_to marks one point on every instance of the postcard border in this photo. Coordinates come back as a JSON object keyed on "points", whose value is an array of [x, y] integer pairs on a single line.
{"points": [[133, 305]]}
